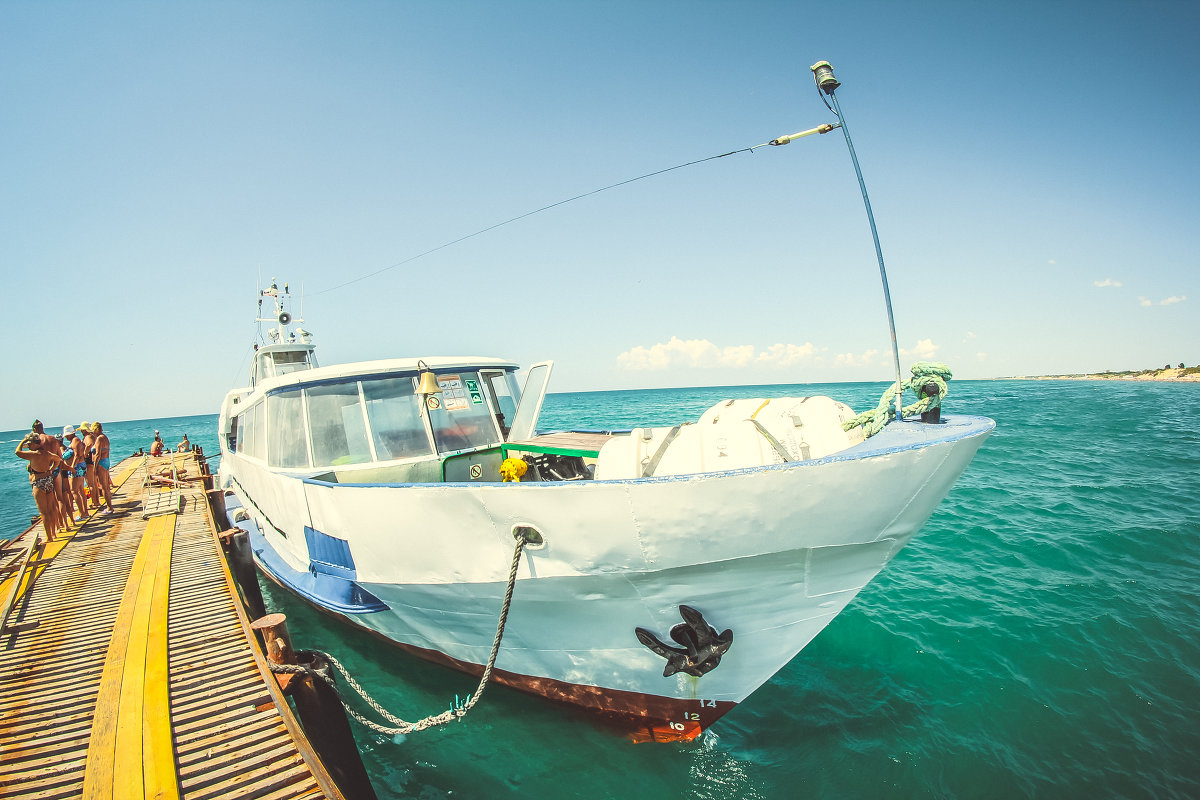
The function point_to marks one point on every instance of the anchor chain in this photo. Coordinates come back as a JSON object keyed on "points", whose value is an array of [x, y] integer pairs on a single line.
{"points": [[403, 727]]}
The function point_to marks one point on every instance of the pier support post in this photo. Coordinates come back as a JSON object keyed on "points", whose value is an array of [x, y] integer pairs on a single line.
{"points": [[241, 564], [319, 708]]}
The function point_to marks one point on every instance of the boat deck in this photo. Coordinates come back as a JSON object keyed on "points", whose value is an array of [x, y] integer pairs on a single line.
{"points": [[127, 667], [574, 443]]}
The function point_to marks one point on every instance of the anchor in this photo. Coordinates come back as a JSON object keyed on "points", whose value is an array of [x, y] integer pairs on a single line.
{"points": [[702, 645]]}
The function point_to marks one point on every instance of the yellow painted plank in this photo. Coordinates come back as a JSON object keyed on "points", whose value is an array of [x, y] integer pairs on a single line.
{"points": [[131, 735], [127, 764], [127, 756], [158, 754], [49, 551], [98, 773]]}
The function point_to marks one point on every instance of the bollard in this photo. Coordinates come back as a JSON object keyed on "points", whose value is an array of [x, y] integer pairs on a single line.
{"points": [[933, 415], [273, 634], [241, 564]]}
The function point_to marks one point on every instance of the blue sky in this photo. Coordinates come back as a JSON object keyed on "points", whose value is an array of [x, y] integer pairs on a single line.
{"points": [[1032, 168]]}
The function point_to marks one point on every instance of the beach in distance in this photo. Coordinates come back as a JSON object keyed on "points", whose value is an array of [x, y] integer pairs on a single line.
{"points": [[1039, 638], [1168, 374]]}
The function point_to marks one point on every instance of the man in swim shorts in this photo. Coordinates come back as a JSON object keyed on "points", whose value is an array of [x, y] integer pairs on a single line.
{"points": [[103, 461], [53, 445], [89, 461]]}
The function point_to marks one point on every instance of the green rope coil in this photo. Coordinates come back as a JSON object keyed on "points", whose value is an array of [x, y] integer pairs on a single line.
{"points": [[924, 372]]}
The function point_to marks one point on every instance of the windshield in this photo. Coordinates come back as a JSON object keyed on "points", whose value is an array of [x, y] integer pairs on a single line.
{"points": [[460, 417], [396, 424]]}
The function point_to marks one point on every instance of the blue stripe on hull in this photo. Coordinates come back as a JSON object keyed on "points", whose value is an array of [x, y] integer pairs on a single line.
{"points": [[318, 586]]}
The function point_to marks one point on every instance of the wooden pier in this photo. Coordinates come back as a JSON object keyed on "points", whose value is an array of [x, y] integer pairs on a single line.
{"points": [[127, 664]]}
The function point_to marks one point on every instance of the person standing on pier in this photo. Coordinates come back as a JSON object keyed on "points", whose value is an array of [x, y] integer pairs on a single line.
{"points": [[103, 461], [76, 469], [89, 457], [54, 446], [41, 478]]}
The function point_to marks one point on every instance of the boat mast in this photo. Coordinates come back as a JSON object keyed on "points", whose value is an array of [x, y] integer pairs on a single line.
{"points": [[827, 83]]}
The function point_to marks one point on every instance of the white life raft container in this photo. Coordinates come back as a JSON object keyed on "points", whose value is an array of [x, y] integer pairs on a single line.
{"points": [[733, 434]]}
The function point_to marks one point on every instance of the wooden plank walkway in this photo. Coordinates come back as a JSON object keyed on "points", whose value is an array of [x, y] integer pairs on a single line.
{"points": [[128, 670]]}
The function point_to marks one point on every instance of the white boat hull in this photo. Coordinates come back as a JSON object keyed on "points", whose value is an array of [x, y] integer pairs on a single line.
{"points": [[772, 553]]}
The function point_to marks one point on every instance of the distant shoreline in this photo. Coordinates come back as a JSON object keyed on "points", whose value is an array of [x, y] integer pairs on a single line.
{"points": [[1174, 375]]}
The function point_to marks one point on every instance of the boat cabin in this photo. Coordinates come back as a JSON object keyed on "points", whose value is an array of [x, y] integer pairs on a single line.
{"points": [[409, 423], [282, 359]]}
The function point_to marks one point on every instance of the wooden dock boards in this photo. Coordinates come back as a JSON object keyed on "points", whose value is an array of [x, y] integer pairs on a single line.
{"points": [[126, 672]]}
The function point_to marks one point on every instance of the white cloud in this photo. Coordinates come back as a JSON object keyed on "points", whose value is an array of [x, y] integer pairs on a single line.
{"points": [[1052, 261], [701, 353], [1106, 282], [924, 350], [782, 355], [981, 356], [690, 353], [852, 360], [1170, 301]]}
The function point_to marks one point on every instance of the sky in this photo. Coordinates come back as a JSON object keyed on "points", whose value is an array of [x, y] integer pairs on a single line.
{"points": [[1032, 169]]}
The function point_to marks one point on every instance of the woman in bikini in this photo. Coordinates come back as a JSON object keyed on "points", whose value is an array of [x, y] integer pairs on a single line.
{"points": [[73, 455], [41, 469], [103, 461]]}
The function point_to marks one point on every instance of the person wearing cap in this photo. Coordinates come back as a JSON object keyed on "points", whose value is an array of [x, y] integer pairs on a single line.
{"points": [[89, 460], [76, 469], [157, 446], [184, 446]]}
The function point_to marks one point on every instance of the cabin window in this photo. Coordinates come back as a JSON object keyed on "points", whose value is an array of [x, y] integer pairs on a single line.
{"points": [[290, 361], [335, 420], [245, 431], [394, 414], [503, 392], [287, 442], [257, 434], [461, 418]]}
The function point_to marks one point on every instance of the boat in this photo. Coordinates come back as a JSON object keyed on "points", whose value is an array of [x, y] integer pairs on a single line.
{"points": [[661, 574]]}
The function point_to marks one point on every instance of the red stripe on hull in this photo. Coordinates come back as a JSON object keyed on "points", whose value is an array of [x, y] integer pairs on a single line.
{"points": [[641, 717]]}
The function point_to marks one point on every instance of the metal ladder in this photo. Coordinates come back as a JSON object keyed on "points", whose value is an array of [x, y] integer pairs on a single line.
{"points": [[157, 500]]}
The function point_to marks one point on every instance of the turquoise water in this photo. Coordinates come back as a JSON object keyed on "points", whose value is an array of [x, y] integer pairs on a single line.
{"points": [[1039, 638]]}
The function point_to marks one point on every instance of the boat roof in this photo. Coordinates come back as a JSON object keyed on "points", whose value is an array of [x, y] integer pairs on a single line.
{"points": [[383, 366]]}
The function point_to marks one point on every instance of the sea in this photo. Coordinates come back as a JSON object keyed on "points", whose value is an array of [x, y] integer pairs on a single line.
{"points": [[1039, 638]]}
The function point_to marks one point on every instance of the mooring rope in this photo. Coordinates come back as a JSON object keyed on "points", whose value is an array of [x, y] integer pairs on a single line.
{"points": [[457, 711], [924, 373]]}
